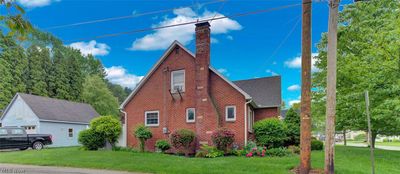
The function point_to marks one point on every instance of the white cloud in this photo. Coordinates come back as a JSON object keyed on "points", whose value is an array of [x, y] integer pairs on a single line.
{"points": [[294, 87], [271, 72], [119, 75], [296, 62], [36, 3], [229, 37], [291, 102], [92, 47], [214, 40], [162, 38]]}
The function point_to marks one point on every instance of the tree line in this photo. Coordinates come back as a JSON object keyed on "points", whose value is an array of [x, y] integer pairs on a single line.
{"points": [[368, 58], [42, 65]]}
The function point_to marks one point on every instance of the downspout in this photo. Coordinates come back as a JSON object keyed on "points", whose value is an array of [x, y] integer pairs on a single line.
{"points": [[126, 127], [245, 121]]}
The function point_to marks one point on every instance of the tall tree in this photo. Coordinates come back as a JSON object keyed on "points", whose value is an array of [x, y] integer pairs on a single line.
{"points": [[60, 81], [75, 74], [36, 76], [368, 59], [96, 93]]}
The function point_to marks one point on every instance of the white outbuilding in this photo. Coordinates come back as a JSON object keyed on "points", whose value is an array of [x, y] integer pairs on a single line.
{"points": [[42, 115]]}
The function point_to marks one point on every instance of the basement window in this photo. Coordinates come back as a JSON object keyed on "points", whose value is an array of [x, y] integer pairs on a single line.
{"points": [[230, 113], [152, 118], [178, 81], [190, 115]]}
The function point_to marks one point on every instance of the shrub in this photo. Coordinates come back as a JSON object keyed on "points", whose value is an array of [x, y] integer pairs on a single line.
{"points": [[90, 140], [223, 138], [270, 132], [108, 127], [385, 140], [294, 149], [317, 145], [142, 133], [281, 151], [182, 138], [207, 151], [292, 122], [163, 145], [124, 149]]}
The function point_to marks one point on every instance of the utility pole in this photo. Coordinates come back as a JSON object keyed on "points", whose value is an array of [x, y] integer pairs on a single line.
{"points": [[370, 132], [331, 88], [305, 127]]}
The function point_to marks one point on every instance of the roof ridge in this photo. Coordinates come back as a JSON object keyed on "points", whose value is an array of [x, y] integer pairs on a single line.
{"points": [[258, 78], [19, 93]]}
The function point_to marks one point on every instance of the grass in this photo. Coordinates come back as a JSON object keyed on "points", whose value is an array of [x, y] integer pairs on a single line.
{"points": [[348, 160], [396, 144]]}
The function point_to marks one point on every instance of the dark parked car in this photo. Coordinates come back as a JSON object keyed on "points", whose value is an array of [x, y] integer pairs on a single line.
{"points": [[16, 138]]}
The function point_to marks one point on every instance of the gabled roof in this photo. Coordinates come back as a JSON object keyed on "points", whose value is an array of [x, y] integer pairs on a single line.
{"points": [[163, 57], [56, 110], [266, 91]]}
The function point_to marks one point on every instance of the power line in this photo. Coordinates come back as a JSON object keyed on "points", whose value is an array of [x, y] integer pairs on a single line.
{"points": [[187, 23], [128, 16]]}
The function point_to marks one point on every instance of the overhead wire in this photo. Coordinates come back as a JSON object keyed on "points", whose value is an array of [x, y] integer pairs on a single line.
{"points": [[187, 23]]}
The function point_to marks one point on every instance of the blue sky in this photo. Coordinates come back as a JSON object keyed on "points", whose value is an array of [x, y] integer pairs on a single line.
{"points": [[245, 47]]}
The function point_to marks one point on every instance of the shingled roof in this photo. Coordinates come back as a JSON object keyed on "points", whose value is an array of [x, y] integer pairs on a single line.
{"points": [[51, 109], [265, 92]]}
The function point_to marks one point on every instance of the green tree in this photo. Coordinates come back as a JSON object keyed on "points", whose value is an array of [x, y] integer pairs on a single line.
{"points": [[118, 91], [292, 121], [13, 20], [36, 75], [96, 93], [60, 81], [368, 59]]}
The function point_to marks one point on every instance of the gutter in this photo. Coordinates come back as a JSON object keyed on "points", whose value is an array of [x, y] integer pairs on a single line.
{"points": [[245, 121], [126, 126]]}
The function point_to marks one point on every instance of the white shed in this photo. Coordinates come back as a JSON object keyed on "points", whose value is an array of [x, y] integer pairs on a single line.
{"points": [[42, 115]]}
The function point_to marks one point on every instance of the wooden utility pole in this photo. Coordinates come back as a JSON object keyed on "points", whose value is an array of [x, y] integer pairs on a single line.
{"points": [[369, 132], [331, 88], [305, 127]]}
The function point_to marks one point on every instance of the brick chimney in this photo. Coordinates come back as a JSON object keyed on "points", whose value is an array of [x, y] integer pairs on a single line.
{"points": [[205, 115]]}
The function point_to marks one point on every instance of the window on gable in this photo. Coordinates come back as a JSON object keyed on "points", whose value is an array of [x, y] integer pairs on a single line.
{"points": [[178, 81], [152, 118], [70, 132], [230, 113], [190, 115]]}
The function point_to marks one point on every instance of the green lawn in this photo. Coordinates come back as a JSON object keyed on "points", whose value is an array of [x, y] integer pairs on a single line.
{"points": [[348, 160], [397, 144]]}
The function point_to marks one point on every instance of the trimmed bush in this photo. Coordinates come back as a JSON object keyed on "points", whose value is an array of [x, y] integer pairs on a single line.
{"points": [[182, 138], [317, 145], [142, 133], [223, 138], [91, 140], [163, 145], [270, 132], [294, 149], [281, 151], [108, 127], [292, 122]]}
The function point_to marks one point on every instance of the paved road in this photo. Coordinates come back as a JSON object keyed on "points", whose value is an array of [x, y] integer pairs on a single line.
{"points": [[28, 169], [376, 146]]}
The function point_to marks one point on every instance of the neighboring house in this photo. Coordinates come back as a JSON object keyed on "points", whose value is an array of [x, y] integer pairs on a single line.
{"points": [[42, 115], [182, 90]]}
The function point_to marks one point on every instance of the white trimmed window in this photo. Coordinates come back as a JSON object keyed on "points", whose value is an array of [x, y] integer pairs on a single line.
{"points": [[178, 81], [70, 132], [230, 113], [190, 115], [152, 118], [250, 119]]}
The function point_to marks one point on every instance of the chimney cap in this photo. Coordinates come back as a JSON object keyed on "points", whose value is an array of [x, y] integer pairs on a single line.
{"points": [[200, 24]]}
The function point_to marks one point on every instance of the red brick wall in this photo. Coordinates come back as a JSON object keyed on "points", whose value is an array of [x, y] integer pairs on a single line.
{"points": [[154, 95], [263, 113], [225, 95]]}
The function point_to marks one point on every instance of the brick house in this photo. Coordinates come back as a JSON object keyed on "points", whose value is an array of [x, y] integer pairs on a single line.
{"points": [[182, 90]]}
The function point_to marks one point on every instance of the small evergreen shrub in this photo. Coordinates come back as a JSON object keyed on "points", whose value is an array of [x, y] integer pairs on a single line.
{"points": [[294, 149], [108, 127], [207, 151], [279, 152], [270, 132], [223, 138], [142, 133], [163, 145], [182, 138], [90, 140], [124, 149], [317, 145]]}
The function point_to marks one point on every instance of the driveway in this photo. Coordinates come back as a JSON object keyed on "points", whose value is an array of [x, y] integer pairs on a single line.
{"points": [[28, 169]]}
